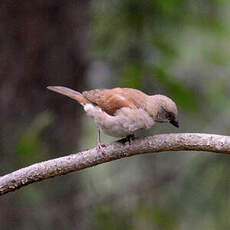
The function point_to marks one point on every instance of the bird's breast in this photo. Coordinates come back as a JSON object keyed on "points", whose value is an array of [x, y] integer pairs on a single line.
{"points": [[124, 122]]}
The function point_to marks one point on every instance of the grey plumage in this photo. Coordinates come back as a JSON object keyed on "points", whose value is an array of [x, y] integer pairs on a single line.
{"points": [[120, 112]]}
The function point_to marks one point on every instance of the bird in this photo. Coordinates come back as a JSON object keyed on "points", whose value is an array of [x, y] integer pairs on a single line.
{"points": [[121, 112]]}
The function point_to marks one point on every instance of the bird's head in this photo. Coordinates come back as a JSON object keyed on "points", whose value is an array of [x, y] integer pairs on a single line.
{"points": [[166, 110]]}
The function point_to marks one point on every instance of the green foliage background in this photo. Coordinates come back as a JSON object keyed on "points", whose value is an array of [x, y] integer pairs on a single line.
{"points": [[181, 49], [174, 47]]}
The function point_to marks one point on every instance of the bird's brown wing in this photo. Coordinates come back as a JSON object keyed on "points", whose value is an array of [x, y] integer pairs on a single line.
{"points": [[135, 96], [111, 100]]}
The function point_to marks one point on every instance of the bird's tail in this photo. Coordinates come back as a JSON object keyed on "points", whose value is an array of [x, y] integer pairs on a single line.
{"points": [[69, 93]]}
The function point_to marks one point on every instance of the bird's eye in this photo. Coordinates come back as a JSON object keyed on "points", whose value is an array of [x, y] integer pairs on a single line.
{"points": [[170, 116]]}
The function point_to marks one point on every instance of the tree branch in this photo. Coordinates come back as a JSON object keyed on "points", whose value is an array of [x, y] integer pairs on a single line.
{"points": [[75, 162]]}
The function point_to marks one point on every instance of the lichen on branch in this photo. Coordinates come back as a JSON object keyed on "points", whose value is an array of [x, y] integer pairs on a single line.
{"points": [[78, 161]]}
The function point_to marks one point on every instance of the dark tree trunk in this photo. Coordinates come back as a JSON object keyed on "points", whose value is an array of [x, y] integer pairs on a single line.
{"points": [[42, 42]]}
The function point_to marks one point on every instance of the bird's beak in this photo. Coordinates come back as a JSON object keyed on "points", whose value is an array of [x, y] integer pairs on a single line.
{"points": [[175, 123]]}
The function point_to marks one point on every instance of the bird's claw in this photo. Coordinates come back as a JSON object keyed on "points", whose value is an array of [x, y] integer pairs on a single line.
{"points": [[129, 139], [100, 147]]}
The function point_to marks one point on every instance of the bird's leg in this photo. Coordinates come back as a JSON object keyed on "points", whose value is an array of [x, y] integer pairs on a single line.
{"points": [[99, 144], [129, 138]]}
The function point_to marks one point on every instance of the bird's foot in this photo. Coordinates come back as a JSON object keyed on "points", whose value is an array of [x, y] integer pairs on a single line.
{"points": [[129, 139], [100, 147]]}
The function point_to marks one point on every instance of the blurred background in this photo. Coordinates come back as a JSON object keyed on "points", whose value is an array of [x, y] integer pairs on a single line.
{"points": [[174, 47]]}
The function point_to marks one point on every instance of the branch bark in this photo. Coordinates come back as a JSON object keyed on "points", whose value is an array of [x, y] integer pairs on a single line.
{"points": [[78, 161]]}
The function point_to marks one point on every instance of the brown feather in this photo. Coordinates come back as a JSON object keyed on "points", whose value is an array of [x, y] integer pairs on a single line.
{"points": [[135, 96], [69, 93], [111, 100]]}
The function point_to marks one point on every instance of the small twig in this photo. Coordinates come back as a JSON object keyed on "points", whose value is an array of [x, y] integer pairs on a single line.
{"points": [[75, 162]]}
